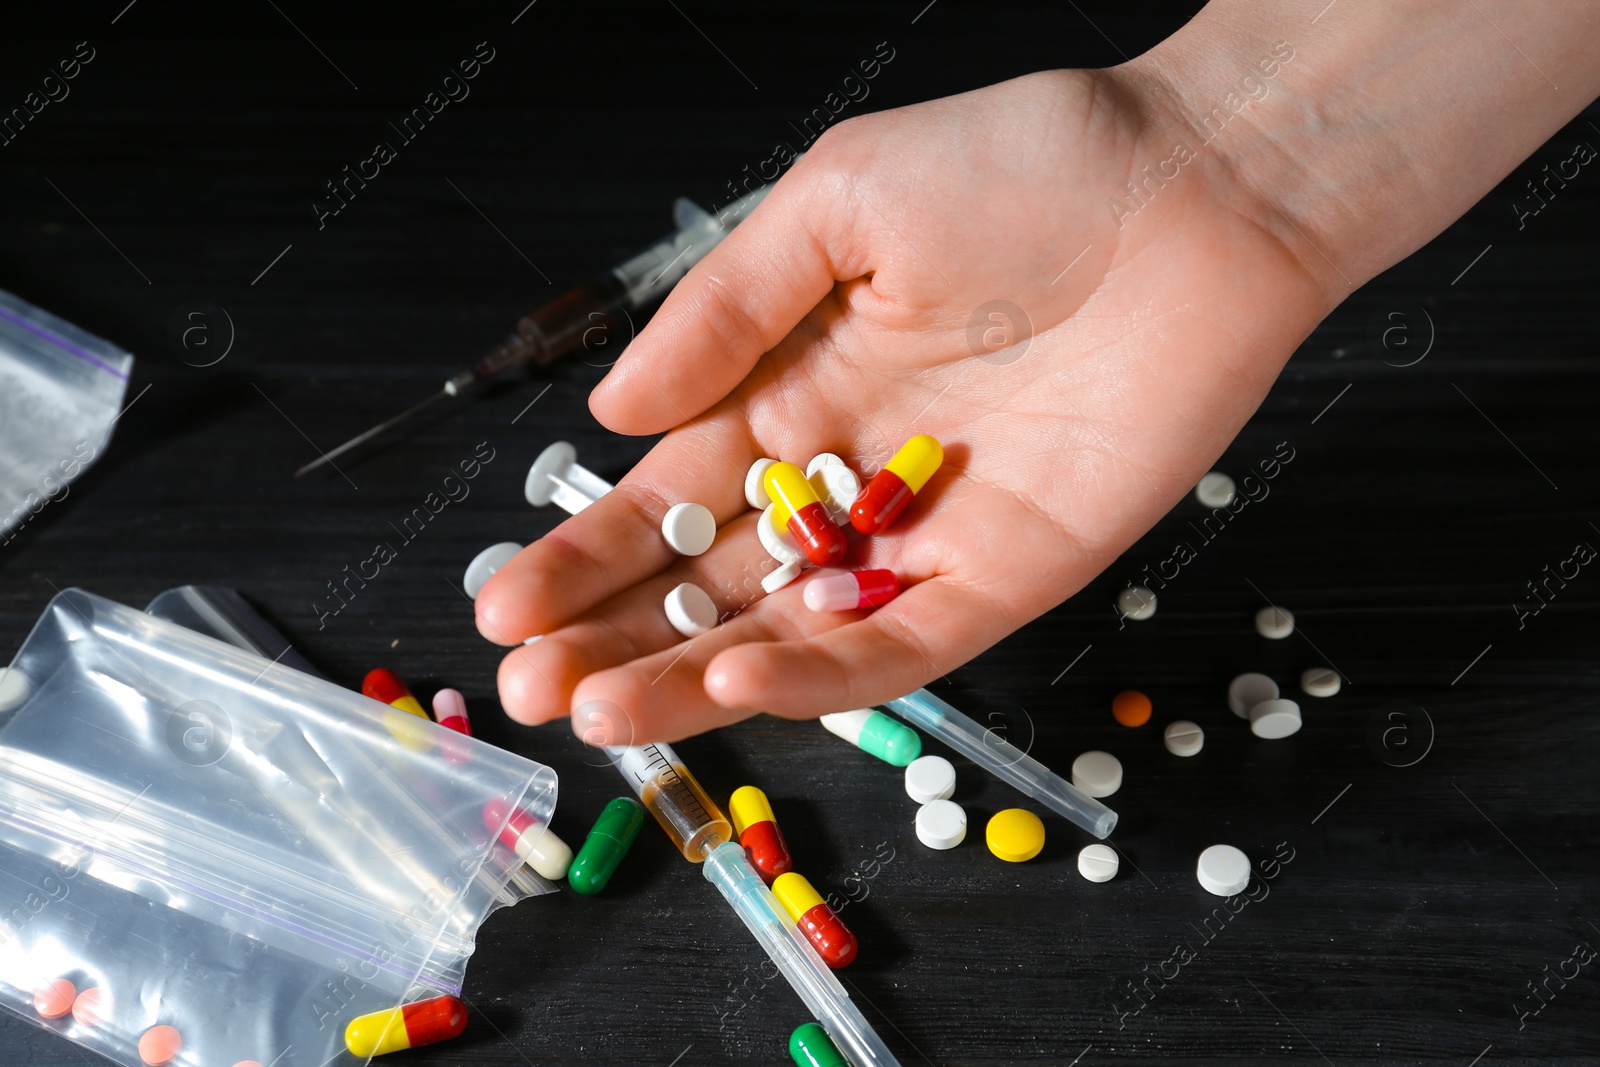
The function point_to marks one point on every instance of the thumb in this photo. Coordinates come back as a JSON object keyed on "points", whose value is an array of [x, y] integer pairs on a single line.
{"points": [[735, 305]]}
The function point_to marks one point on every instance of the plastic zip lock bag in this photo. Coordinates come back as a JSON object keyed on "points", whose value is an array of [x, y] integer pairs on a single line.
{"points": [[224, 846]]}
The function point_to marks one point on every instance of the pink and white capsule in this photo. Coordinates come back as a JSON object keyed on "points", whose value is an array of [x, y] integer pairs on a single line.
{"points": [[450, 711], [851, 590]]}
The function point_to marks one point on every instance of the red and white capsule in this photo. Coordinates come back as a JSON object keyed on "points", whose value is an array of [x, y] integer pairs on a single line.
{"points": [[534, 843], [851, 590]]}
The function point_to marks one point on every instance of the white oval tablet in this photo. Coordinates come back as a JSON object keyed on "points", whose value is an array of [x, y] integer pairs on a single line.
{"points": [[690, 610], [837, 486], [941, 824], [776, 580], [1223, 870], [755, 491], [486, 563], [14, 689], [1215, 490], [1098, 863], [1098, 774], [1272, 719], [930, 778], [1136, 603], [689, 528], [1184, 738], [1320, 681], [1248, 690], [820, 460], [1274, 623], [779, 545]]}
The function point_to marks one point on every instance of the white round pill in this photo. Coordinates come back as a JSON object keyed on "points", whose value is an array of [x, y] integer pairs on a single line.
{"points": [[1136, 603], [1320, 681], [1275, 623], [1248, 690], [837, 487], [1098, 863], [941, 824], [1215, 490], [1184, 738], [485, 563], [1272, 719], [1223, 870], [689, 528], [690, 610], [821, 460], [930, 778], [1098, 774], [14, 689], [776, 580], [755, 491], [779, 545]]}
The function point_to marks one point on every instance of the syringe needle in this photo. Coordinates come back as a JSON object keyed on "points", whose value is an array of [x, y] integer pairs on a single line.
{"points": [[359, 439]]}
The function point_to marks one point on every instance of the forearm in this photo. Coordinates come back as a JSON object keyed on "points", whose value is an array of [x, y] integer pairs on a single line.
{"points": [[1388, 121]]}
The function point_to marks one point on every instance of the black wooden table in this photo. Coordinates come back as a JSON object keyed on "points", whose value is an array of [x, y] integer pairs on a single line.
{"points": [[1435, 823]]}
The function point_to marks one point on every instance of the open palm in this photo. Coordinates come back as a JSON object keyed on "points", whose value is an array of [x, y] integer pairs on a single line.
{"points": [[871, 297]]}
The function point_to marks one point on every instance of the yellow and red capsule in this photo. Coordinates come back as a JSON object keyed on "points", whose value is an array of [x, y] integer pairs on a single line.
{"points": [[757, 829], [892, 488], [385, 686], [411, 1026], [818, 536], [832, 939]]}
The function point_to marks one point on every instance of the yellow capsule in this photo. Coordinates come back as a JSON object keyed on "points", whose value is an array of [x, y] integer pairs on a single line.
{"points": [[916, 461], [749, 806], [795, 894], [813, 530], [415, 734], [789, 487], [409, 1026], [409, 703]]}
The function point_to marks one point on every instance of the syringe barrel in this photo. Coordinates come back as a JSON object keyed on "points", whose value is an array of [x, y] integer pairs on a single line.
{"points": [[728, 868], [671, 794], [1004, 760]]}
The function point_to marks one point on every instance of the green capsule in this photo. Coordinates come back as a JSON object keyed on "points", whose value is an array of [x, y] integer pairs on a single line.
{"points": [[607, 843], [877, 734], [810, 1046]]}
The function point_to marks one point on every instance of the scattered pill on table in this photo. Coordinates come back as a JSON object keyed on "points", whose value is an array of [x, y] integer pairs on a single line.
{"points": [[821, 460], [160, 1045], [1131, 708], [54, 999], [1320, 681], [775, 537], [1097, 773], [424, 1022], [894, 487], [533, 842], [1274, 719], [690, 610], [851, 590], [817, 535], [1274, 623], [930, 778], [876, 734], [756, 827], [485, 565], [608, 842], [1136, 603], [1248, 690], [810, 1046], [91, 1006], [775, 580], [14, 689], [827, 933], [689, 529], [941, 824], [1215, 490], [1183, 738], [1098, 863], [1223, 870], [1015, 835], [755, 491]]}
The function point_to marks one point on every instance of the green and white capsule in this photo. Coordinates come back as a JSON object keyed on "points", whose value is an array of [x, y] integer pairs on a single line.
{"points": [[607, 843], [875, 733]]}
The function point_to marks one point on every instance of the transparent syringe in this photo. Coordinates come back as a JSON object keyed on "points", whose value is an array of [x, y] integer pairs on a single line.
{"points": [[1004, 760], [700, 830]]}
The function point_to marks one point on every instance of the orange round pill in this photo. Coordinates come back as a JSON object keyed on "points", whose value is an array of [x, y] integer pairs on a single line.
{"points": [[54, 999], [247, 1063], [160, 1045], [91, 1006], [1131, 708]]}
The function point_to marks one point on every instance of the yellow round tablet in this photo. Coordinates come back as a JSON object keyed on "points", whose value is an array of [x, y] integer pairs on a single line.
{"points": [[1015, 835]]}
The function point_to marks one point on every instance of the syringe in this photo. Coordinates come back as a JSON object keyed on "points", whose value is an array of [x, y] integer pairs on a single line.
{"points": [[1004, 760], [590, 316], [700, 830]]}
